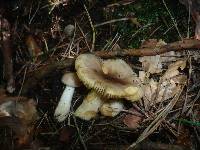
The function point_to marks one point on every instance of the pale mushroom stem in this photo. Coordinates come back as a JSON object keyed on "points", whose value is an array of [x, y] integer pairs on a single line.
{"points": [[64, 104]]}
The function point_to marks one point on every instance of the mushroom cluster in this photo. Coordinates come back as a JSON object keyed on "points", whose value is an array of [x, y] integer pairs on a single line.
{"points": [[109, 80]]}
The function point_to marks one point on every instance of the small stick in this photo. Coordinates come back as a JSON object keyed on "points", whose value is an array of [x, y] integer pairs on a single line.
{"points": [[93, 30], [111, 21], [185, 44]]}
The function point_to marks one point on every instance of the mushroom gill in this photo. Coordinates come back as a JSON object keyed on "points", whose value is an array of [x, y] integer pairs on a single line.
{"points": [[112, 78]]}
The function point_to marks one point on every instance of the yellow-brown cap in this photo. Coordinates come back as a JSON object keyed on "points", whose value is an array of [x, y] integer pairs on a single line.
{"points": [[90, 106], [111, 78]]}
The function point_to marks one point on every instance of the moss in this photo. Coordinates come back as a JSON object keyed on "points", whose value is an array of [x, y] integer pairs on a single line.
{"points": [[155, 21]]}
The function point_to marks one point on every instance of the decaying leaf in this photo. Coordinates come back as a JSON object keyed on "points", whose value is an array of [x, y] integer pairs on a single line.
{"points": [[151, 64], [20, 107], [150, 92], [166, 88], [33, 48], [154, 64], [18, 113], [66, 133], [149, 43], [173, 69], [132, 121]]}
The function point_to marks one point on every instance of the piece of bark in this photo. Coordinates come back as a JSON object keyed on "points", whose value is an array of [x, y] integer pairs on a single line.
{"points": [[7, 53]]}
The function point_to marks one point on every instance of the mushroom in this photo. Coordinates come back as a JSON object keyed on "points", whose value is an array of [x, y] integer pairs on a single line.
{"points": [[89, 107], [112, 78], [71, 81], [111, 108]]}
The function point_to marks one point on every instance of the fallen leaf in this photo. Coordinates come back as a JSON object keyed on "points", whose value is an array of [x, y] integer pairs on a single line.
{"points": [[65, 134], [173, 69], [132, 121], [166, 88], [149, 93], [18, 113], [33, 48], [20, 107], [149, 43], [151, 64], [154, 64]]}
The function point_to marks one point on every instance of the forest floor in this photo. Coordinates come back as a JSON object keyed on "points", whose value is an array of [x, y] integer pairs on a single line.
{"points": [[45, 47]]}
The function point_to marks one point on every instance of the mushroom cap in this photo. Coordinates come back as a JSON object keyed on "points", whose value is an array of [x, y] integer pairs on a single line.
{"points": [[112, 78], [71, 79], [89, 107]]}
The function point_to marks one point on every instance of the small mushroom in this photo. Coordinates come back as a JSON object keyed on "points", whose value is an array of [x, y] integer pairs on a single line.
{"points": [[71, 81], [112, 78], [111, 108], [69, 30], [89, 107]]}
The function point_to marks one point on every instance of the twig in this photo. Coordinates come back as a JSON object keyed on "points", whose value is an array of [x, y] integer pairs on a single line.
{"points": [[111, 21], [173, 20], [121, 3], [24, 76], [83, 36], [79, 133], [31, 19], [93, 30], [175, 46]]}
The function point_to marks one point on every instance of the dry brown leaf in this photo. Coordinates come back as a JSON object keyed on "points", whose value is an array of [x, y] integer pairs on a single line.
{"points": [[33, 48], [154, 64], [18, 113], [65, 134], [166, 88], [20, 107], [151, 64], [173, 69], [150, 93], [149, 43], [169, 81], [132, 121], [169, 88]]}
